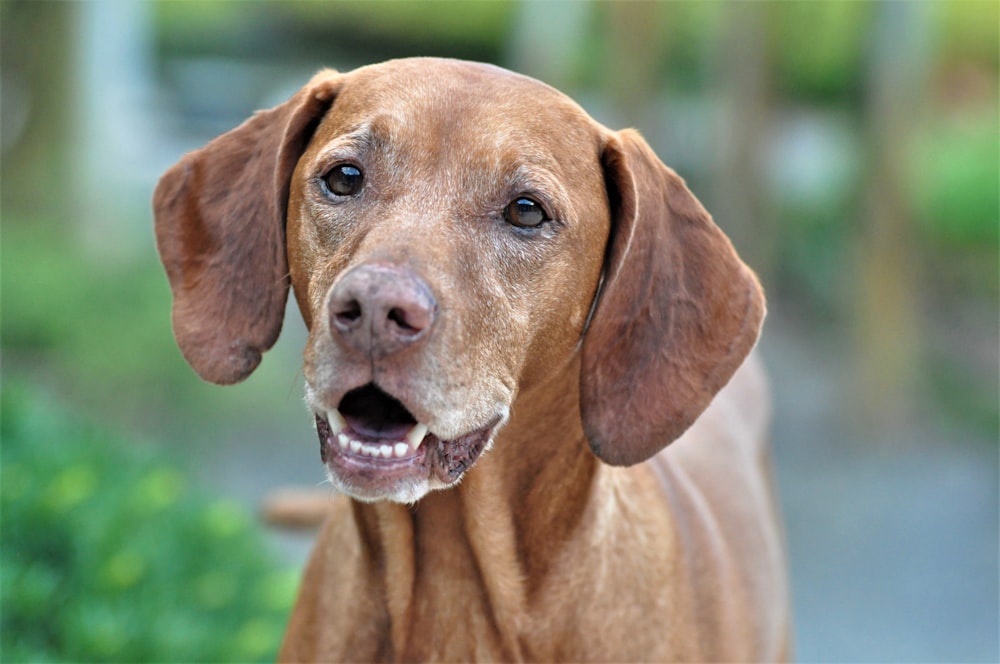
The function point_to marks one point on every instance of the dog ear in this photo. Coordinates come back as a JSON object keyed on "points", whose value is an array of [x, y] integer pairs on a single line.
{"points": [[677, 313], [220, 230]]}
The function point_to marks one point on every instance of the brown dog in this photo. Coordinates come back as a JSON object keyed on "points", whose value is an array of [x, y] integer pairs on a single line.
{"points": [[502, 291]]}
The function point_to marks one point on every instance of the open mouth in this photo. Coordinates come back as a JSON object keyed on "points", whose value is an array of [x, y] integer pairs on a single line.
{"points": [[370, 423], [372, 443]]}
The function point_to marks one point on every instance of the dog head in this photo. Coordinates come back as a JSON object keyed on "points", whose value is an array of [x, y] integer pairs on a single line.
{"points": [[454, 234]]}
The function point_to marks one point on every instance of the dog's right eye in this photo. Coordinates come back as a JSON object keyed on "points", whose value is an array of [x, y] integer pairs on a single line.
{"points": [[525, 213], [344, 180]]}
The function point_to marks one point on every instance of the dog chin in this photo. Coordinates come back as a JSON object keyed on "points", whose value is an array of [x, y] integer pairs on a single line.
{"points": [[359, 470], [406, 492]]}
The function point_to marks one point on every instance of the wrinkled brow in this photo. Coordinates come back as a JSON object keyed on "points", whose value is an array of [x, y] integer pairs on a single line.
{"points": [[360, 138]]}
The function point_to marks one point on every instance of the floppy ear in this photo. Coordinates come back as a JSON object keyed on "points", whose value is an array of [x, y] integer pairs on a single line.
{"points": [[677, 314], [220, 230]]}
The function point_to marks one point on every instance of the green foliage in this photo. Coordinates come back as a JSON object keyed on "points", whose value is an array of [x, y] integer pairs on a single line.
{"points": [[109, 554], [809, 263], [358, 31], [969, 30], [954, 188], [964, 397], [956, 183], [818, 47], [443, 20], [90, 317], [101, 332]]}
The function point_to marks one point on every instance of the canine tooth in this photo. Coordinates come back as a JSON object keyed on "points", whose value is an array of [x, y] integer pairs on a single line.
{"points": [[387, 451], [416, 435], [343, 440], [355, 446], [336, 421], [400, 449]]}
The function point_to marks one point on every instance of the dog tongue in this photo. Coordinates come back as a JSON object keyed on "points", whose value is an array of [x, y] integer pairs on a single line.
{"points": [[370, 412], [378, 428]]}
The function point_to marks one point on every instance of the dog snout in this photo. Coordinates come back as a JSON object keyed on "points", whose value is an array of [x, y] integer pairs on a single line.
{"points": [[378, 310]]}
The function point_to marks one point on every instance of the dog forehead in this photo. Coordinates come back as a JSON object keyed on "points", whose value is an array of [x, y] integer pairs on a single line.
{"points": [[434, 81], [445, 100]]}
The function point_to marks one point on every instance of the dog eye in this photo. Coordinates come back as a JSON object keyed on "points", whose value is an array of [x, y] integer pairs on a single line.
{"points": [[344, 180], [525, 213]]}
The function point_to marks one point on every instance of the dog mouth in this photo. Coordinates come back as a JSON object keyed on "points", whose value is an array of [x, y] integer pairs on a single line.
{"points": [[372, 443]]}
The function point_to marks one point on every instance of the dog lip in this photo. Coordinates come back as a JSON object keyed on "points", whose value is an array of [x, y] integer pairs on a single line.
{"points": [[358, 462], [456, 456]]}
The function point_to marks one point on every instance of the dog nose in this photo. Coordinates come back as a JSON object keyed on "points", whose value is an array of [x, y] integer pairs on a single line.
{"points": [[380, 309]]}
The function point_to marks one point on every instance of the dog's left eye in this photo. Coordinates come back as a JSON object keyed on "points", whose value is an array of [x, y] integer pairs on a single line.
{"points": [[344, 180], [525, 213]]}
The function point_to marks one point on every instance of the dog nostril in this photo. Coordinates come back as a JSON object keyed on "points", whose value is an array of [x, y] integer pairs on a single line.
{"points": [[350, 312], [398, 316]]}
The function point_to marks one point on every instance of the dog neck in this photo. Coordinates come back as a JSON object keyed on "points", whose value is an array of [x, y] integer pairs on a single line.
{"points": [[501, 528]]}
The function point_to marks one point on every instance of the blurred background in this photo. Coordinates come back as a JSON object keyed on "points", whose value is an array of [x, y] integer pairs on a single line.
{"points": [[850, 149]]}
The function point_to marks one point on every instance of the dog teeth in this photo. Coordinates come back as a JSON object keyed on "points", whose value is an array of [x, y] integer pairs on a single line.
{"points": [[382, 451], [416, 435], [336, 420], [397, 450]]}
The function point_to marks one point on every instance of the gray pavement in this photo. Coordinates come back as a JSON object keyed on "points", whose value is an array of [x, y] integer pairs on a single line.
{"points": [[893, 538]]}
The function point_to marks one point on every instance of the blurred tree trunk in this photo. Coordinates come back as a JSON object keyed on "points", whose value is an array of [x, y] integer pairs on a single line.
{"points": [[743, 207], [36, 49], [114, 136], [636, 41], [886, 317]]}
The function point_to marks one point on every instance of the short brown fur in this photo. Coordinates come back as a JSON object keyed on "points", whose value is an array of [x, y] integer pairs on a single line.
{"points": [[619, 327]]}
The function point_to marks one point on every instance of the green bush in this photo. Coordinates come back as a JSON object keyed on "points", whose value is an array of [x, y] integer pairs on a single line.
{"points": [[100, 331], [109, 554], [955, 171], [104, 325]]}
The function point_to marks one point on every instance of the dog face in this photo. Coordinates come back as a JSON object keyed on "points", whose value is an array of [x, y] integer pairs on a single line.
{"points": [[448, 226], [444, 245]]}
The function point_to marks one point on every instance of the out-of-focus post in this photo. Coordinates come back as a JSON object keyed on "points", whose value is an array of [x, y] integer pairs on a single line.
{"points": [[886, 316], [742, 198], [634, 59], [38, 105]]}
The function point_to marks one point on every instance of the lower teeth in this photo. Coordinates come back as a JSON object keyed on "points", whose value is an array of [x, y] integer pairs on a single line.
{"points": [[374, 451]]}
